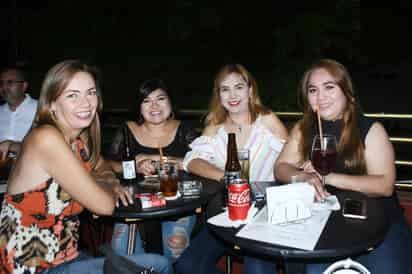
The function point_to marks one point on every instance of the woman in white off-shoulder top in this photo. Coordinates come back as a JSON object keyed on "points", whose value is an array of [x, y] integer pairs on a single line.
{"points": [[235, 107]]}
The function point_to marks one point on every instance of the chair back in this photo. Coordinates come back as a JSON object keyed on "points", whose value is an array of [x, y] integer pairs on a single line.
{"points": [[346, 267]]}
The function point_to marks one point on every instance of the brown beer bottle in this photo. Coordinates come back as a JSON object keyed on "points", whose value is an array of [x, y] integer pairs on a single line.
{"points": [[232, 167], [128, 163]]}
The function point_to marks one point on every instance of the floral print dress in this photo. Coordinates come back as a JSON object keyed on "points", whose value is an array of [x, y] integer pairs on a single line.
{"points": [[39, 228]]}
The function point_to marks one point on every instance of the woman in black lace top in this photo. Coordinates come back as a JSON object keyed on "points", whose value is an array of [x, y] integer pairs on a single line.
{"points": [[154, 127]]}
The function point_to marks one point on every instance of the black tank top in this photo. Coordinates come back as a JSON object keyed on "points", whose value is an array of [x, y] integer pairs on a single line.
{"points": [[185, 134], [391, 204]]}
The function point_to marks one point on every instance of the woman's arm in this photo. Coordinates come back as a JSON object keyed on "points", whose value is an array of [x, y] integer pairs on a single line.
{"points": [[205, 169], [61, 164], [202, 167], [380, 165], [289, 163], [275, 125]]}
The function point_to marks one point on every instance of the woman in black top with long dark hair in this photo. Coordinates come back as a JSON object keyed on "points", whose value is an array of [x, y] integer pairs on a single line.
{"points": [[155, 126]]}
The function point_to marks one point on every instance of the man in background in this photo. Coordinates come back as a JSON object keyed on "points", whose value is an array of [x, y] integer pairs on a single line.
{"points": [[18, 111]]}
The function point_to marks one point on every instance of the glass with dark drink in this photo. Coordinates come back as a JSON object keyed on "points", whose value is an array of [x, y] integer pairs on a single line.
{"points": [[324, 154], [168, 174]]}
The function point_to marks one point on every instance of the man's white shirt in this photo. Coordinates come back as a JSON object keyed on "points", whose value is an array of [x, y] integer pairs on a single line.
{"points": [[14, 125]]}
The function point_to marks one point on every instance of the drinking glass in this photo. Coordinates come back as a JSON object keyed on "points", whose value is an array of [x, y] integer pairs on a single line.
{"points": [[243, 156], [168, 174], [324, 156]]}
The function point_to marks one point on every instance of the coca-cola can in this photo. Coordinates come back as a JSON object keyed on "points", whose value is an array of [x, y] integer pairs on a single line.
{"points": [[238, 199]]}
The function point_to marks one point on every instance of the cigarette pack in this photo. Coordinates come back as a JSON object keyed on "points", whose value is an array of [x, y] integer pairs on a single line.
{"points": [[149, 200]]}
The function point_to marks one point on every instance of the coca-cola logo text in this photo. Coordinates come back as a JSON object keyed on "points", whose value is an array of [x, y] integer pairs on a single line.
{"points": [[236, 198]]}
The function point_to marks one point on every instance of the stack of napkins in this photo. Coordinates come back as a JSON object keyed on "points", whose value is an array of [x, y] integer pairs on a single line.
{"points": [[289, 203], [222, 219], [295, 202]]}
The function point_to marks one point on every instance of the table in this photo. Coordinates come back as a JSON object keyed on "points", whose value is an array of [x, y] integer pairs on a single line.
{"points": [[154, 215], [341, 237]]}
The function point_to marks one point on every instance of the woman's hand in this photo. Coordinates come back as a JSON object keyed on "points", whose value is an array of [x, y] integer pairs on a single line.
{"points": [[123, 194], [308, 168], [145, 167], [5, 148], [315, 179]]}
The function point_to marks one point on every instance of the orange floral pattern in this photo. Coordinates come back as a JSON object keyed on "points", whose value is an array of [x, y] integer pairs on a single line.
{"points": [[39, 228]]}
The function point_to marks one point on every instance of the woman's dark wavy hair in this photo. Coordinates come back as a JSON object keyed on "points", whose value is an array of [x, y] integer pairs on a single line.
{"points": [[145, 89]]}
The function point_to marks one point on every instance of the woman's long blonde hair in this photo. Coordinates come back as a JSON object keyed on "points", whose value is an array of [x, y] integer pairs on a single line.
{"points": [[56, 80], [350, 145], [217, 114]]}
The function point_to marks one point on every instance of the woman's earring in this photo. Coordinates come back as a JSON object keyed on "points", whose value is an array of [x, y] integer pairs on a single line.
{"points": [[172, 115], [53, 113]]}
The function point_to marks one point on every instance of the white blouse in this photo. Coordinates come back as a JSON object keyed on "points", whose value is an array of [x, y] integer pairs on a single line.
{"points": [[264, 149]]}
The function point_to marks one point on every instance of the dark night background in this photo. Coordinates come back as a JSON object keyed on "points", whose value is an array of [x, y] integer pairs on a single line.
{"points": [[185, 42]]}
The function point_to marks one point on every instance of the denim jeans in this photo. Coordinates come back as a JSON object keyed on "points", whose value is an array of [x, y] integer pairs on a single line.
{"points": [[205, 250], [258, 266], [393, 255], [85, 264], [175, 234], [201, 256]]}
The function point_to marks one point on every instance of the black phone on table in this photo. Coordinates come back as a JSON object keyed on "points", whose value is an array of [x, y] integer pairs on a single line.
{"points": [[355, 208]]}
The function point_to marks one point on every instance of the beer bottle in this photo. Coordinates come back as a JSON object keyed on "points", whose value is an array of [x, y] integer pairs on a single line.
{"points": [[128, 163], [232, 167]]}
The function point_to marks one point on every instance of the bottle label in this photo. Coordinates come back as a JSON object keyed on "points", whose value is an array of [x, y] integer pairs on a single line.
{"points": [[129, 169], [231, 176]]}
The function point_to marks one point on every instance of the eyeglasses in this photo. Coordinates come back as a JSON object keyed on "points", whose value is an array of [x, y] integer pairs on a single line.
{"points": [[10, 82]]}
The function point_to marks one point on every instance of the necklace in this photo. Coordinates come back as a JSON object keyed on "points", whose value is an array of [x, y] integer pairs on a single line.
{"points": [[237, 126]]}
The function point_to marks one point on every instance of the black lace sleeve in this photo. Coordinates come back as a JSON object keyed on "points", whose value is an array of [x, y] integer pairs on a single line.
{"points": [[187, 133], [117, 146]]}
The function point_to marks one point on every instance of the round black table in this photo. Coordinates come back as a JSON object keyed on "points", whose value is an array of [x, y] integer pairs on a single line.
{"points": [[153, 216], [341, 237]]}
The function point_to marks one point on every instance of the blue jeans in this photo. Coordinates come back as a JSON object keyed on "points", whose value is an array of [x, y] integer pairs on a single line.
{"points": [[393, 255], [201, 256], [258, 266], [175, 234], [85, 264]]}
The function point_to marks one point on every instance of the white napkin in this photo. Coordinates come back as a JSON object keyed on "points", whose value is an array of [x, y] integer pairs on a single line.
{"points": [[223, 220], [289, 203], [329, 203], [290, 211]]}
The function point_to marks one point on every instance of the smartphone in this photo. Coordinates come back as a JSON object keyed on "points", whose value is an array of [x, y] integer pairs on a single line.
{"points": [[354, 208]]}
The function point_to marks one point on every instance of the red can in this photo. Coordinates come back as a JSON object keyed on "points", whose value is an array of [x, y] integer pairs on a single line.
{"points": [[238, 199]]}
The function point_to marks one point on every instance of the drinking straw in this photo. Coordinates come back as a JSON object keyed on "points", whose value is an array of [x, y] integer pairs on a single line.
{"points": [[320, 128], [161, 155]]}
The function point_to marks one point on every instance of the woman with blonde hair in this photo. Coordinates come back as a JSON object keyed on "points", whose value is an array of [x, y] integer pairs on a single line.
{"points": [[235, 107], [50, 184]]}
